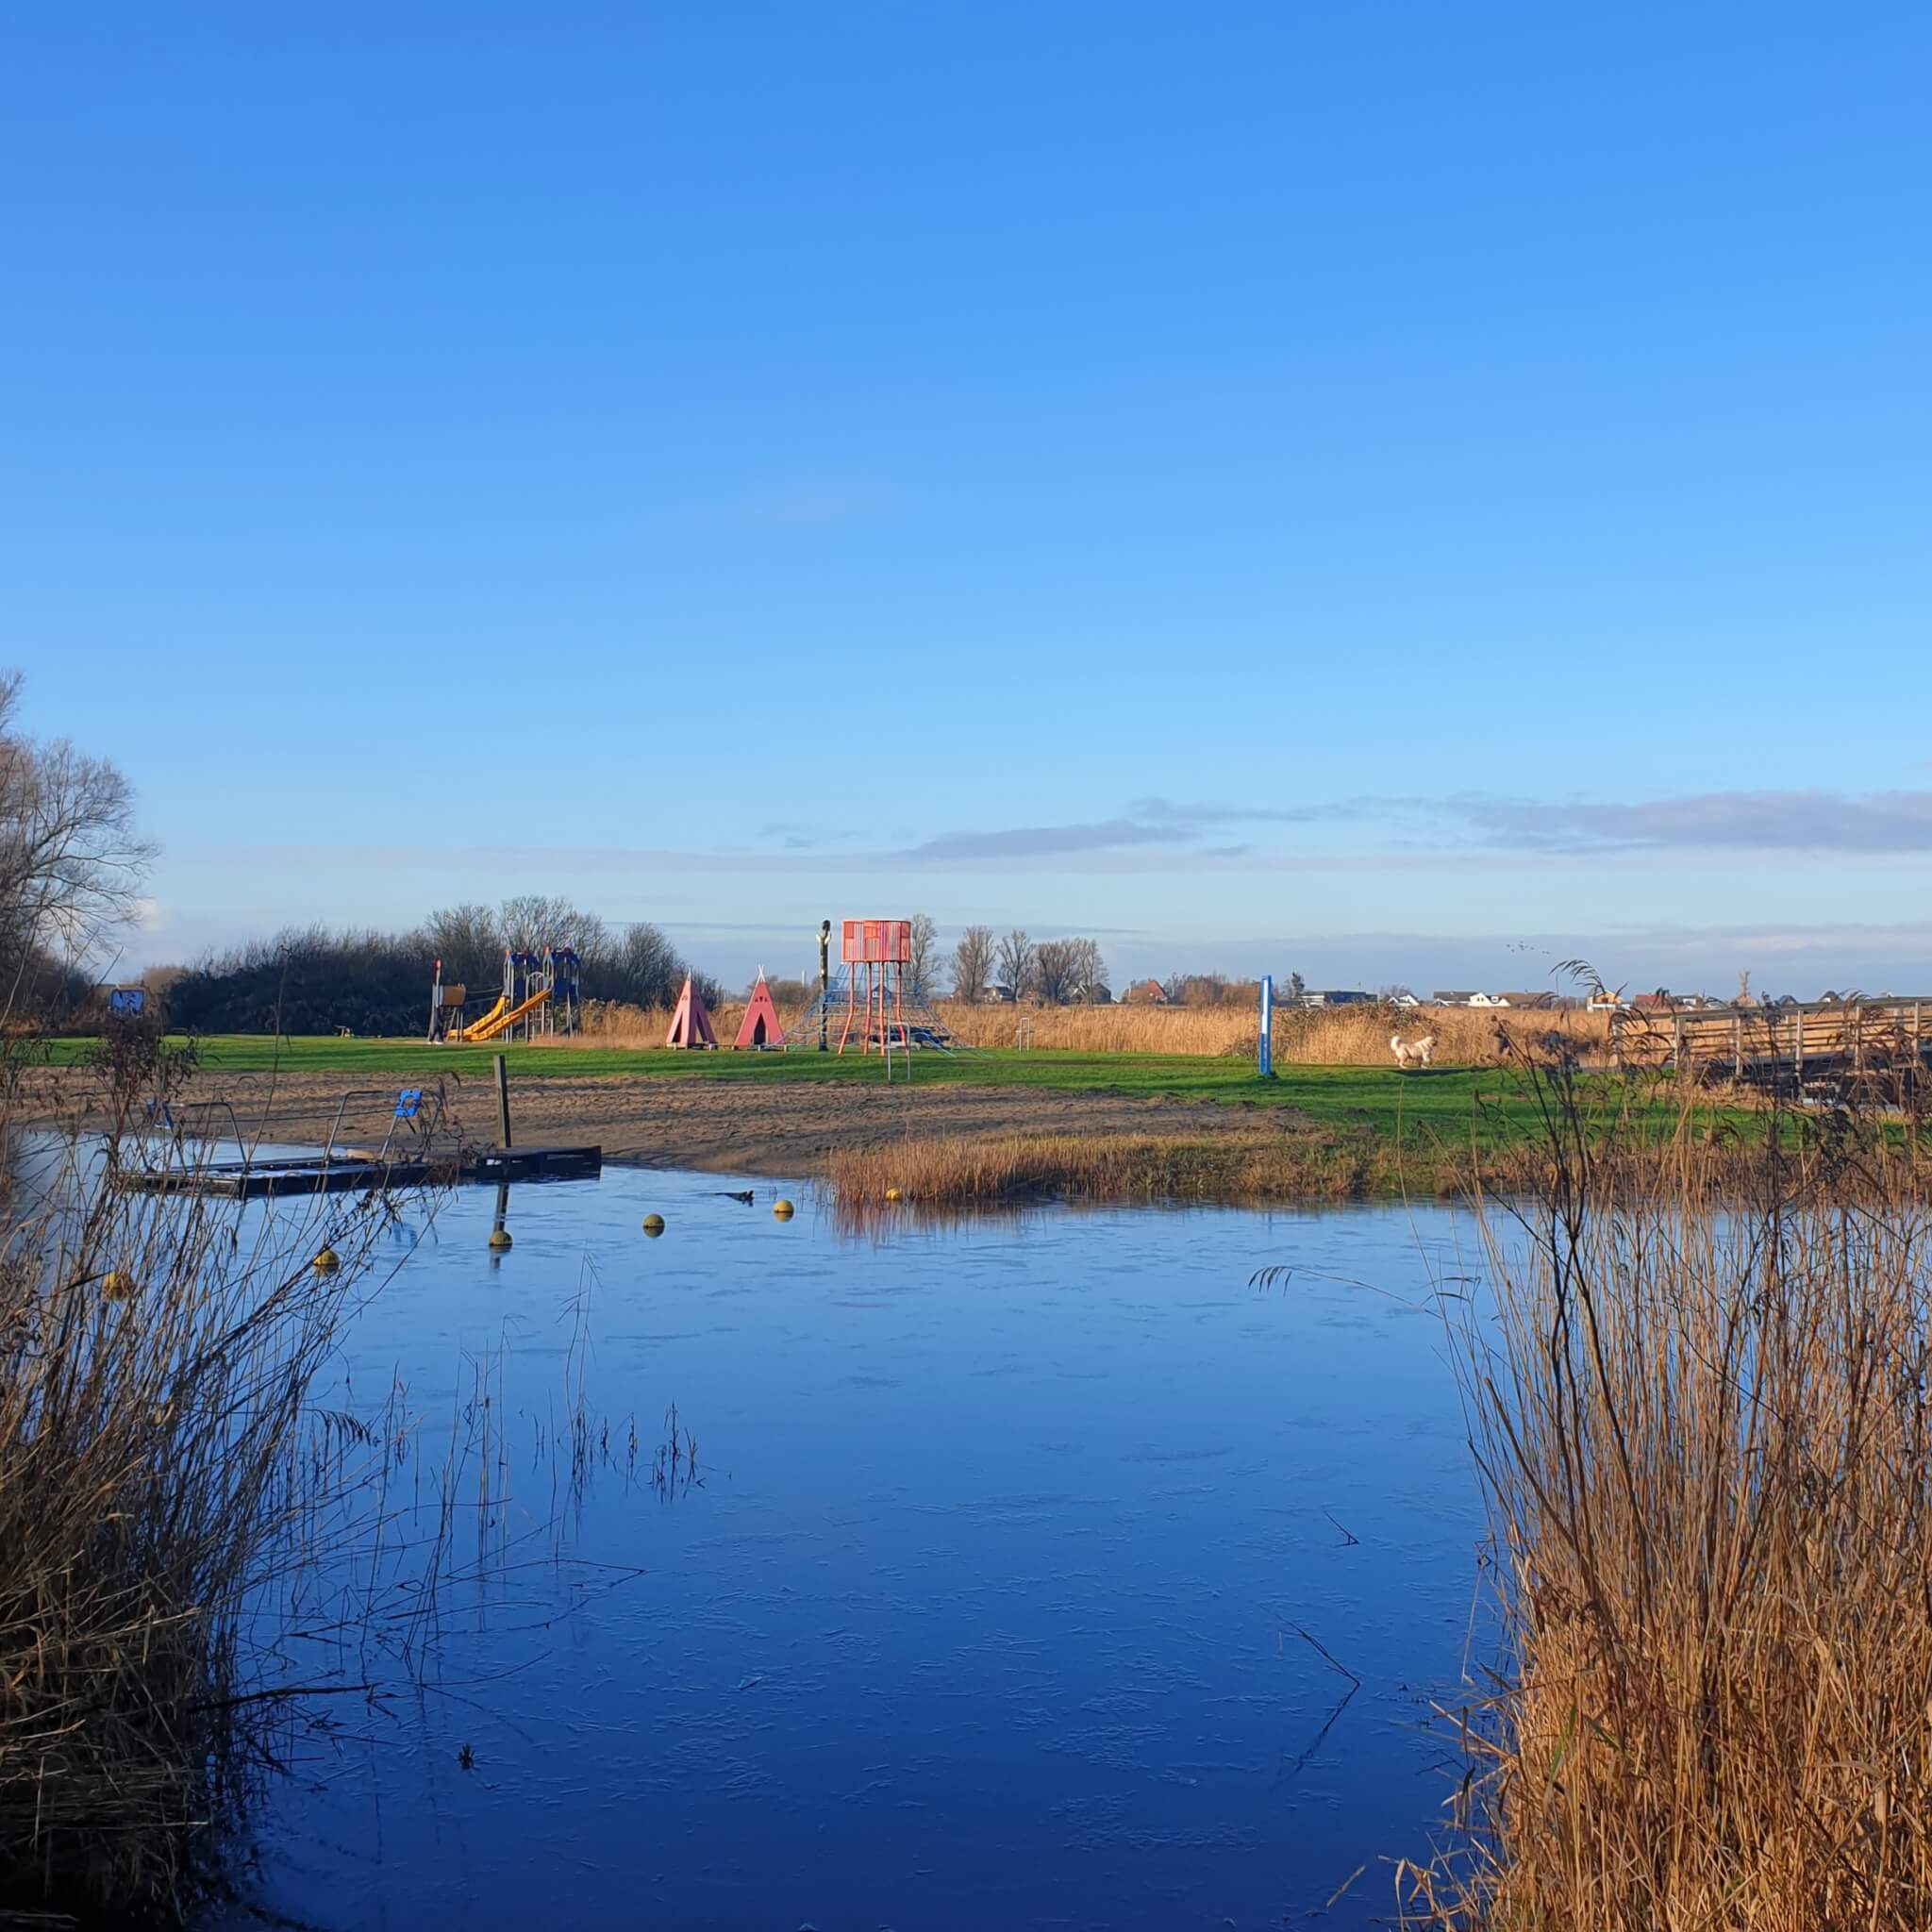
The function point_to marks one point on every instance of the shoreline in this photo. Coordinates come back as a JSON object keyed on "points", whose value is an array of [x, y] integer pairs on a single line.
{"points": [[1025, 1133], [789, 1131]]}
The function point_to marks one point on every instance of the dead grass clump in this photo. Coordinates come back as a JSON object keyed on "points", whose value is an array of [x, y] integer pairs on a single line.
{"points": [[1707, 1442], [964, 1171]]}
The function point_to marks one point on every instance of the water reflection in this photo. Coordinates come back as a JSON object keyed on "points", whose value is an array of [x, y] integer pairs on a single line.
{"points": [[1006, 1584]]}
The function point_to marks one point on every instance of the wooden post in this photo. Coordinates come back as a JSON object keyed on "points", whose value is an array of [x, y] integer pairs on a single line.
{"points": [[825, 975], [1798, 1050], [502, 1103], [1737, 1045], [1677, 1036]]}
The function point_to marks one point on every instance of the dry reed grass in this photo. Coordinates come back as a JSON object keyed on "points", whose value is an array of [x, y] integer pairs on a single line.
{"points": [[961, 1171], [1705, 1439], [154, 1371], [1338, 1037]]}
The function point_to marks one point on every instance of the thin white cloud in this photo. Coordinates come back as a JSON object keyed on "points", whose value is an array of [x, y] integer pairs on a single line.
{"points": [[1884, 823]]}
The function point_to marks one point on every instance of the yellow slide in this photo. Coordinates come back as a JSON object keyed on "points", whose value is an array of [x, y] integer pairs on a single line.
{"points": [[496, 1019], [469, 1032]]}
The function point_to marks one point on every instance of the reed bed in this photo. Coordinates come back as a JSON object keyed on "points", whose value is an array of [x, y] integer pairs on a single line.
{"points": [[1705, 1439], [1332, 1036], [964, 1171], [154, 1453]]}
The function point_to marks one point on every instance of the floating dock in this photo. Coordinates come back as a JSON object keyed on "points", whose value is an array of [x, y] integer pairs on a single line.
{"points": [[350, 1172]]}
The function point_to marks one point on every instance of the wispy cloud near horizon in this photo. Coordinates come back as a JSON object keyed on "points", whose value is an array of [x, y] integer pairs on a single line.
{"points": [[1884, 823], [1040, 841]]}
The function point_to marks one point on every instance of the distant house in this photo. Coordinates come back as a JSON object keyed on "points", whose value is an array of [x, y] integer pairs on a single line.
{"points": [[1489, 999], [1146, 992], [1454, 999], [1340, 998], [998, 995], [1404, 999], [1657, 1002], [1533, 1002], [1604, 1001]]}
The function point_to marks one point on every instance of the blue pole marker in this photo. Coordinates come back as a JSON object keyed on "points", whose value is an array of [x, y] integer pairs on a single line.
{"points": [[1266, 1051]]}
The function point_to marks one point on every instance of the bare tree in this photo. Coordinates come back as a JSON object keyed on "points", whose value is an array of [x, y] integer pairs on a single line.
{"points": [[469, 942], [72, 864], [1090, 971], [1065, 971], [531, 921], [643, 967], [1015, 962], [922, 967], [973, 961]]}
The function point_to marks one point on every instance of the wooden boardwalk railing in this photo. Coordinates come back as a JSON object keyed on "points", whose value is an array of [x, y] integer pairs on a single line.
{"points": [[1785, 1045]]}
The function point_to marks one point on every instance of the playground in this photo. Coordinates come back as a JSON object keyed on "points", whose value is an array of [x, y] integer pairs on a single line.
{"points": [[865, 1064], [541, 999], [794, 1113]]}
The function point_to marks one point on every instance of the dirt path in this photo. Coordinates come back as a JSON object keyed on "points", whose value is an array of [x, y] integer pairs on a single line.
{"points": [[724, 1126]]}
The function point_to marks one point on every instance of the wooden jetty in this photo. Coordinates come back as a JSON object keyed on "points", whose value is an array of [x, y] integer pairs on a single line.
{"points": [[1881, 1044], [420, 1148], [351, 1171]]}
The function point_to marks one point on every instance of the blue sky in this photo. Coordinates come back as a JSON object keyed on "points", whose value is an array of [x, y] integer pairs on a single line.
{"points": [[1408, 492]]}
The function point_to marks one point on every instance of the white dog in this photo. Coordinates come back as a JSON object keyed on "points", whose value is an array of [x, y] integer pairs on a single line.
{"points": [[1422, 1050]]}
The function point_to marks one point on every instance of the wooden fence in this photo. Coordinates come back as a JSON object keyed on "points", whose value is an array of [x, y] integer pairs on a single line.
{"points": [[1783, 1044]]}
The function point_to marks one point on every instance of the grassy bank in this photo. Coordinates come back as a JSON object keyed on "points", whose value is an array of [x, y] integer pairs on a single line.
{"points": [[1326, 1129], [1446, 1098]]}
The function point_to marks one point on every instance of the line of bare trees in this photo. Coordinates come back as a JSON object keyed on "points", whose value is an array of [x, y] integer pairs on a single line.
{"points": [[312, 980], [1062, 973]]}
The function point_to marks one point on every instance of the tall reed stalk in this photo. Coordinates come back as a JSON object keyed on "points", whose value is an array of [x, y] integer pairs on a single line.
{"points": [[1706, 1438]]}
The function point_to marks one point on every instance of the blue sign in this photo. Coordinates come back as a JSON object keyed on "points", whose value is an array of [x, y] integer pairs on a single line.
{"points": [[127, 1002]]}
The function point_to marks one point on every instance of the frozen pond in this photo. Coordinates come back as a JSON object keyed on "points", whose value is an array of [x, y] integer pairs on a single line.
{"points": [[1000, 1597]]}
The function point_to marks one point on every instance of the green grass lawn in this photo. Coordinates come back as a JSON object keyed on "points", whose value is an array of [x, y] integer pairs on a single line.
{"points": [[1450, 1103]]}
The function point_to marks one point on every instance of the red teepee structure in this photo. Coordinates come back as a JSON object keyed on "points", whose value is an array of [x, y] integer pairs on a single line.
{"points": [[759, 1027], [690, 1026]]}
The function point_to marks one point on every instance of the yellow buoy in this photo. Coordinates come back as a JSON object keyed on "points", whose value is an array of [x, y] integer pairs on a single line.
{"points": [[118, 1285], [653, 1223], [891, 1194], [328, 1261], [782, 1209], [499, 1238]]}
